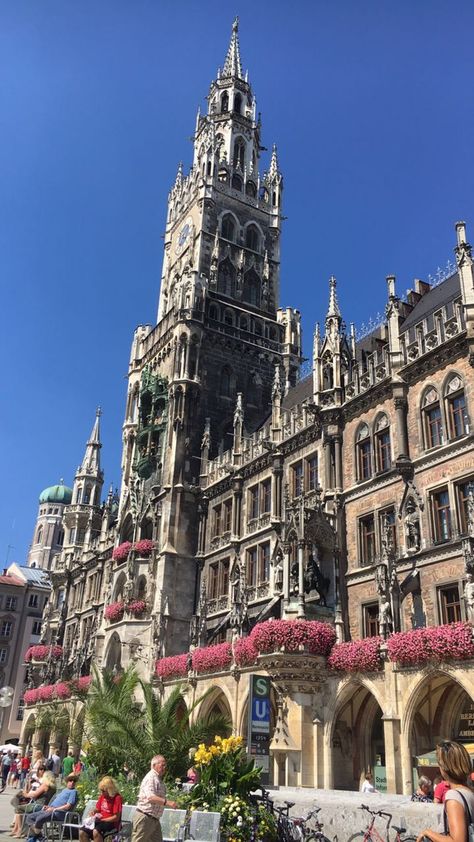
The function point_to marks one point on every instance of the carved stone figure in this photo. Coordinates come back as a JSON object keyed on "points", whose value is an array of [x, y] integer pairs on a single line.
{"points": [[385, 618], [412, 527], [314, 579], [469, 596], [278, 573]]}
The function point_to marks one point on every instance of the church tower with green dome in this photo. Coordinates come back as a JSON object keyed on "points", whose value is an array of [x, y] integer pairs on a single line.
{"points": [[48, 536]]}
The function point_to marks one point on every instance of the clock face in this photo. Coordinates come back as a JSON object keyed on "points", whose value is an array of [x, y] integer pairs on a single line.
{"points": [[184, 236]]}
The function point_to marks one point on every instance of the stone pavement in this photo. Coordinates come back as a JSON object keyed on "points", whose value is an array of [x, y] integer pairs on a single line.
{"points": [[6, 812]]}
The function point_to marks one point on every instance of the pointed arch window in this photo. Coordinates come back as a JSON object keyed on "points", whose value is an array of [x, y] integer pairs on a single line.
{"points": [[224, 102], [250, 189], [251, 290], [363, 453], [252, 237], [236, 182], [39, 535], [432, 419], [228, 227], [456, 411], [239, 153], [226, 278], [383, 449], [227, 382], [238, 103]]}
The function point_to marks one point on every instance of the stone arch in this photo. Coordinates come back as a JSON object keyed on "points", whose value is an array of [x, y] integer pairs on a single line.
{"points": [[433, 708], [113, 655], [226, 278], [119, 587], [356, 733], [29, 728], [142, 587], [126, 531], [218, 701], [251, 290]]}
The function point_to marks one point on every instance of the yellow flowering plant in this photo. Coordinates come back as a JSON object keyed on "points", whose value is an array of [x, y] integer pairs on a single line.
{"points": [[224, 769]]}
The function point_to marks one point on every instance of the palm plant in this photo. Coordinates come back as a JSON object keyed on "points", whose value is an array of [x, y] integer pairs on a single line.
{"points": [[126, 724]]}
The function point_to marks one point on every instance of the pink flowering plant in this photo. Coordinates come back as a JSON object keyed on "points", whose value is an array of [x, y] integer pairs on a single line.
{"points": [[293, 635], [41, 653], [356, 656], [58, 692], [144, 547], [137, 607], [245, 652], [30, 697], [175, 666], [62, 690], [437, 643], [212, 658], [114, 611], [121, 552]]}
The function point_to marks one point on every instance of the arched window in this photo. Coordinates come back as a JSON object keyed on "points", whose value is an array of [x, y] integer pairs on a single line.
{"points": [[226, 278], [228, 318], [258, 329], [238, 104], [383, 450], [86, 498], [213, 312], [239, 153], [141, 589], [432, 419], [236, 183], [250, 189], [244, 323], [224, 102], [252, 237], [227, 382], [264, 196], [209, 168], [228, 227], [39, 535], [363, 453], [251, 290], [456, 411]]}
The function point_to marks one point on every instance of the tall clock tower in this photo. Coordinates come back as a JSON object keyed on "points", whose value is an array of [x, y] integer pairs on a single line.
{"points": [[219, 331]]}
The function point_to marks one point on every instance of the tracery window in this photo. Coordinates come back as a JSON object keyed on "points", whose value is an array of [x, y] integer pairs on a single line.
{"points": [[456, 411], [383, 450], [363, 453], [432, 419]]}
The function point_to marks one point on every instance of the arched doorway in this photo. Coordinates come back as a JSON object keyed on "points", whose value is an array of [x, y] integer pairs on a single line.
{"points": [[357, 741], [216, 704], [113, 658], [440, 708]]}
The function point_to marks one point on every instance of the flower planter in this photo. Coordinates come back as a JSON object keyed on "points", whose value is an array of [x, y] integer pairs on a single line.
{"points": [[40, 653], [114, 612]]}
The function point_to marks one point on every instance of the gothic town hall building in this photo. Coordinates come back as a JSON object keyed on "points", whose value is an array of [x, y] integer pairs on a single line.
{"points": [[254, 499]]}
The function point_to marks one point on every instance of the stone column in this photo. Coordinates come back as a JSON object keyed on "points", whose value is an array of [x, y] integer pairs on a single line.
{"points": [[301, 612], [401, 407], [327, 463], [406, 767], [391, 731], [237, 508], [277, 476], [338, 461]]}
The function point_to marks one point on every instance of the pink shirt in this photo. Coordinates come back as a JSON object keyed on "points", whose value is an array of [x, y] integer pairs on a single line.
{"points": [[440, 791], [151, 785]]}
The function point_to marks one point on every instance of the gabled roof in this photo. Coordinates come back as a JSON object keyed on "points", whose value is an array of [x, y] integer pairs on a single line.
{"points": [[434, 299], [30, 575], [11, 580]]}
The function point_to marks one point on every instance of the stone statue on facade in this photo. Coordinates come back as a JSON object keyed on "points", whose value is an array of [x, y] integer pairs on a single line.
{"points": [[412, 527], [469, 596], [278, 572], [314, 579]]}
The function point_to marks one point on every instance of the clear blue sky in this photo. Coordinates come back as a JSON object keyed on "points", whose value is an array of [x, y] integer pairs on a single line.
{"points": [[370, 103]]}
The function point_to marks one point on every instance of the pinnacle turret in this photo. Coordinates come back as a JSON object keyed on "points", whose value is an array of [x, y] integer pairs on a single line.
{"points": [[333, 308], [274, 170], [91, 462], [232, 65]]}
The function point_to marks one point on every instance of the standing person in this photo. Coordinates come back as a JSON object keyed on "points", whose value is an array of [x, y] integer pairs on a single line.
{"points": [[68, 763], [151, 803], [53, 764], [455, 767], [25, 764], [56, 811], [108, 812], [368, 784], [6, 763], [440, 789], [78, 766]]}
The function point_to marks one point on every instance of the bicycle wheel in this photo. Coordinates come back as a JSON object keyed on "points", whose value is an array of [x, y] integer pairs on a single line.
{"points": [[408, 839], [318, 837], [361, 835]]}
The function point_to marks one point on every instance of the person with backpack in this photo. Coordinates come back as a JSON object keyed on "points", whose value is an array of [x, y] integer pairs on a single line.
{"points": [[455, 767], [53, 763]]}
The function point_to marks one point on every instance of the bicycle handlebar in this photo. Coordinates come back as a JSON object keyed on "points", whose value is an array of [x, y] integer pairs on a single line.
{"points": [[375, 812]]}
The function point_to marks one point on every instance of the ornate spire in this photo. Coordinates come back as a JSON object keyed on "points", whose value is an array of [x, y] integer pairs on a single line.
{"points": [[232, 65], [333, 309], [276, 390], [179, 175], [274, 170], [316, 341], [91, 461]]}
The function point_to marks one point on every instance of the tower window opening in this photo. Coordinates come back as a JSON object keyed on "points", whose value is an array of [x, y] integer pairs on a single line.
{"points": [[236, 182], [252, 237], [250, 189], [224, 102], [209, 168], [238, 104], [228, 228], [239, 153]]}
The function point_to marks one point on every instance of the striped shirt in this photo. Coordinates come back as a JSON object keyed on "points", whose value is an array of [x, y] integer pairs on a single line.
{"points": [[151, 785]]}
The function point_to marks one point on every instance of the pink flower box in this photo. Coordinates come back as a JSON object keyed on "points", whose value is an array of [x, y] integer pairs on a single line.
{"points": [[137, 607], [293, 635], [114, 611], [46, 693], [121, 552], [40, 652], [30, 697], [144, 547], [175, 666], [212, 658], [356, 656], [245, 652], [437, 643], [62, 690]]}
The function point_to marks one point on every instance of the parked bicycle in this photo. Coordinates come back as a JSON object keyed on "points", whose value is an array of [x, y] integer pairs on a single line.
{"points": [[371, 834], [298, 828]]}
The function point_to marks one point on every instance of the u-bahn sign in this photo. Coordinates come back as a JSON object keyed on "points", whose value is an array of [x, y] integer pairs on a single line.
{"points": [[259, 723]]}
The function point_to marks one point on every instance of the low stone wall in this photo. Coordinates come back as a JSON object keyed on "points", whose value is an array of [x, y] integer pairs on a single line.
{"points": [[342, 816]]}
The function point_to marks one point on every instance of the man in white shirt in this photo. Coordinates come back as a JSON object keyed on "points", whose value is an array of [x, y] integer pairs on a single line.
{"points": [[151, 802], [368, 785]]}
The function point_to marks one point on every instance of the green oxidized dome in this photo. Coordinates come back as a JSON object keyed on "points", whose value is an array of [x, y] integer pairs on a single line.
{"points": [[56, 494]]}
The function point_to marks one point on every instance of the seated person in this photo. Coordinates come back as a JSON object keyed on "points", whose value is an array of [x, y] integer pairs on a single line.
{"points": [[56, 811], [423, 793], [31, 801], [108, 812]]}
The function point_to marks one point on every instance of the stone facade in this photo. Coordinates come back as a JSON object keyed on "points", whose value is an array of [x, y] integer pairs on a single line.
{"points": [[250, 493]]}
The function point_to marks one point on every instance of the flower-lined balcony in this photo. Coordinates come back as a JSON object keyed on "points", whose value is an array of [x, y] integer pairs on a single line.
{"points": [[289, 636], [61, 691], [433, 644], [115, 612], [357, 655], [141, 549], [40, 653]]}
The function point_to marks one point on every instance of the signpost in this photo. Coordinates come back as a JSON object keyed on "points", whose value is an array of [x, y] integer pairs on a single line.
{"points": [[259, 723]]}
